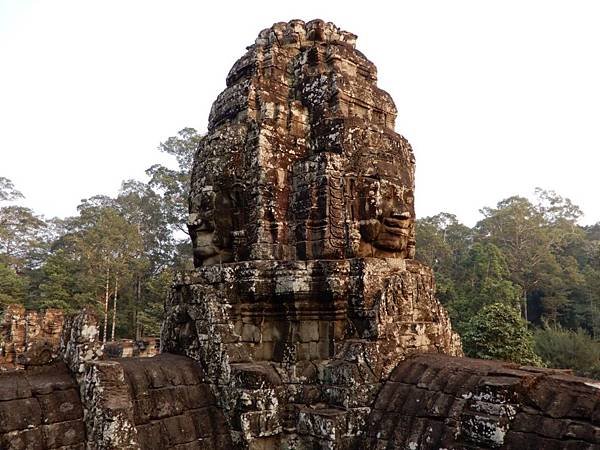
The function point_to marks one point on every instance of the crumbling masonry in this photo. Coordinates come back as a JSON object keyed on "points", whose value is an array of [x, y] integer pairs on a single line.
{"points": [[307, 323]]}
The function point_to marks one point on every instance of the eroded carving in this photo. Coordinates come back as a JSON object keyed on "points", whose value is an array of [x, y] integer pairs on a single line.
{"points": [[301, 160], [306, 292]]}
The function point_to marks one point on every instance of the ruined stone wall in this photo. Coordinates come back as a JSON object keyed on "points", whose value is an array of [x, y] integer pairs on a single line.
{"points": [[40, 409], [40, 402], [152, 403], [436, 401], [118, 404], [27, 334], [146, 347], [80, 341], [274, 337]]}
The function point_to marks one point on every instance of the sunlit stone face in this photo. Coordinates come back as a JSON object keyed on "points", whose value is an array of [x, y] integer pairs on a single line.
{"points": [[376, 203], [294, 125], [384, 207]]}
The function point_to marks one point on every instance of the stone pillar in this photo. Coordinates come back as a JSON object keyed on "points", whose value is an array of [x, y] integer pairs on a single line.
{"points": [[108, 407]]}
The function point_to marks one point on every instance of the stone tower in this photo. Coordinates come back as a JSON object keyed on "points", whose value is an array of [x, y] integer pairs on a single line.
{"points": [[305, 294]]}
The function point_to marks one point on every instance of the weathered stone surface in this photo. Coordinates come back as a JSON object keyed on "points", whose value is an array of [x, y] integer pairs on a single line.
{"points": [[40, 408], [271, 334], [80, 341], [151, 403], [437, 401], [130, 403], [305, 295], [301, 160], [28, 337], [125, 348]]}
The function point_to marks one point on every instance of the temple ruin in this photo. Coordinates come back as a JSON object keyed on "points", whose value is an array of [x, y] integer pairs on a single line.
{"points": [[306, 323]]}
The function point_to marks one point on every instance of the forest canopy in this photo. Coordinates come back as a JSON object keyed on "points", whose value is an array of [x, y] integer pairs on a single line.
{"points": [[117, 254]]}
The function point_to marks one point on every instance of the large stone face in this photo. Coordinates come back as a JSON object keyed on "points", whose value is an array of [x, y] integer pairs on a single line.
{"points": [[305, 295], [301, 160]]}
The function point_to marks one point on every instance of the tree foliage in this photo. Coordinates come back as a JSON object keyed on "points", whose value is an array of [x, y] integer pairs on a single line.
{"points": [[523, 253], [12, 287], [117, 255], [499, 332], [574, 349], [8, 191]]}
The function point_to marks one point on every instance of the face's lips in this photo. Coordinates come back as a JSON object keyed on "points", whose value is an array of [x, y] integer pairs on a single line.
{"points": [[398, 220], [398, 224], [395, 223], [397, 231]]}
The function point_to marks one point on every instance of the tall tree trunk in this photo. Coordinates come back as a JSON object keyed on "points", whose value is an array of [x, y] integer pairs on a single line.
{"points": [[138, 294], [114, 317], [525, 307], [106, 305], [592, 313]]}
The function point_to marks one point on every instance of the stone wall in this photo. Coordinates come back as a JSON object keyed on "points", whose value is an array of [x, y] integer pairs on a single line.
{"points": [[29, 337], [40, 409], [80, 341], [118, 404], [436, 401], [152, 403]]}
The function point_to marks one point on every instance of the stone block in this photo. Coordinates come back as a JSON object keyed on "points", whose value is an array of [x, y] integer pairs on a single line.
{"points": [[13, 387], [180, 429], [19, 414], [61, 406], [31, 439], [64, 434], [308, 331]]}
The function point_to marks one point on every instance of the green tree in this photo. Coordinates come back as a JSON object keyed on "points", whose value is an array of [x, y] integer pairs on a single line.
{"points": [[12, 287], [519, 229], [499, 332], [21, 237], [107, 246], [23, 244], [173, 184], [573, 349], [483, 279], [442, 242], [64, 284], [143, 207]]}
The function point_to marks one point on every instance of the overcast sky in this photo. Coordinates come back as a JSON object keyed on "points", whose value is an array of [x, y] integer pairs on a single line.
{"points": [[495, 97]]}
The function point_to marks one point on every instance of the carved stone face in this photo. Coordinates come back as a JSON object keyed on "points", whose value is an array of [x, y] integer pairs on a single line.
{"points": [[384, 208], [211, 227]]}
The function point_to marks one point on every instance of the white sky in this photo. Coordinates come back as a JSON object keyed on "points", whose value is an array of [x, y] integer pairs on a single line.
{"points": [[495, 97]]}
